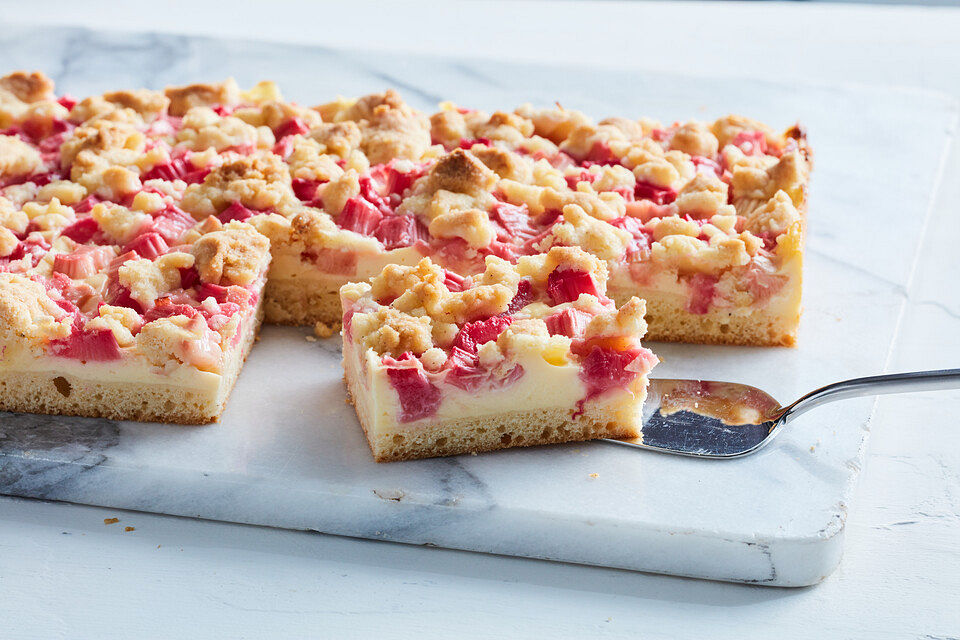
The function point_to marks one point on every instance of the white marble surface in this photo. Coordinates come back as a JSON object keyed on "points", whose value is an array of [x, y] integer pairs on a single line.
{"points": [[906, 540], [288, 451]]}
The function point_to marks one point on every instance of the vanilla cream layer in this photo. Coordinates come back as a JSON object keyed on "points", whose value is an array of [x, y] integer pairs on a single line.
{"points": [[125, 370], [664, 287], [131, 368], [543, 385], [288, 265]]}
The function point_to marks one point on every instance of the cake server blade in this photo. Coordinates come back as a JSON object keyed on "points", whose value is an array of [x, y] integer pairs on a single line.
{"points": [[724, 420]]}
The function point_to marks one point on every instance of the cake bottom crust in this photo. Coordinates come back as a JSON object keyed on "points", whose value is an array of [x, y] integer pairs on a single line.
{"points": [[303, 302], [668, 321], [491, 432], [58, 393], [50, 393]]}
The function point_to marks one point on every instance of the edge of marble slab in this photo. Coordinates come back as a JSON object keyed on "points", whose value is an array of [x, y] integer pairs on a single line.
{"points": [[825, 545], [27, 24], [80, 469], [778, 561]]}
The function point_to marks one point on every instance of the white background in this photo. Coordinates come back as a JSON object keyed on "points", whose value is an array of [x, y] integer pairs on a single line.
{"points": [[64, 574]]}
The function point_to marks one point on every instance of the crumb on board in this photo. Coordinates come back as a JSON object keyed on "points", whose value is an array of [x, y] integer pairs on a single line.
{"points": [[111, 520], [594, 475], [310, 338], [323, 330], [129, 528]]}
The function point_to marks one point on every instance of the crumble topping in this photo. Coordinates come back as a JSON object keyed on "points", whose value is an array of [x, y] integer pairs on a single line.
{"points": [[118, 222], [28, 87], [579, 229], [472, 225], [26, 311], [704, 194], [182, 99], [234, 255], [554, 124], [203, 129], [389, 331], [17, 158], [147, 280], [392, 133], [727, 128], [695, 139], [336, 138], [144, 202], [147, 105], [774, 217], [260, 181], [124, 323], [336, 192], [181, 338]]}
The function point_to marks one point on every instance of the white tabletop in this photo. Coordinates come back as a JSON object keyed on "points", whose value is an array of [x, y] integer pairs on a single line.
{"points": [[65, 574]]}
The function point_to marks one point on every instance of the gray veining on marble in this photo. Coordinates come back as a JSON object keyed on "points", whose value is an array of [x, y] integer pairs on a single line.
{"points": [[288, 451]]}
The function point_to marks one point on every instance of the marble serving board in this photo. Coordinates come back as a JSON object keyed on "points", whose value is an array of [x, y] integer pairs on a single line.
{"points": [[289, 452]]}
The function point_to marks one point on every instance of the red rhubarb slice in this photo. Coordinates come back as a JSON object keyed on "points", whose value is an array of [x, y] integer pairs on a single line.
{"points": [[172, 223], [292, 127], [359, 216], [566, 285], [419, 398], [236, 211], [233, 293], [82, 231], [752, 143], [88, 346], [474, 334], [701, 293], [569, 322], [148, 245], [176, 169], [654, 193], [82, 263], [522, 298], [603, 369], [399, 231]]}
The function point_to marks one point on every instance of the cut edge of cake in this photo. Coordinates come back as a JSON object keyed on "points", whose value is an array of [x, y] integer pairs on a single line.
{"points": [[507, 360], [98, 390]]}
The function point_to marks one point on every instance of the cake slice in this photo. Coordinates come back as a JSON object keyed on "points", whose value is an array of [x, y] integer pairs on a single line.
{"points": [[521, 354], [132, 328]]}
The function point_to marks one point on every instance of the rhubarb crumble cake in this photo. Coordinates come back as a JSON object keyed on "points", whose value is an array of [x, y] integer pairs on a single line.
{"points": [[525, 353], [135, 226], [114, 301]]}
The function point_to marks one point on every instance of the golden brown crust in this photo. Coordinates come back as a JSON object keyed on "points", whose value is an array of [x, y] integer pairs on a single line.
{"points": [[461, 172], [182, 99], [148, 104], [28, 87], [237, 254], [491, 433]]}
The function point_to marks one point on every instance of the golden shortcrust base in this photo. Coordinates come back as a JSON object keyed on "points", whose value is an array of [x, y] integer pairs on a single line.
{"points": [[303, 302], [488, 433], [55, 392]]}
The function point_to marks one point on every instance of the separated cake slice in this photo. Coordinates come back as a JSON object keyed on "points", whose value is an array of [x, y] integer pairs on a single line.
{"points": [[129, 327], [520, 354]]}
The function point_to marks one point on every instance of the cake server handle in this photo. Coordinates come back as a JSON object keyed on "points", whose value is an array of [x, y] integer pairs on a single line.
{"points": [[936, 380]]}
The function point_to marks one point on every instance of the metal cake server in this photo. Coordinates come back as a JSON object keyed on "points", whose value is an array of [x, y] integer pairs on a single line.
{"points": [[721, 420]]}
